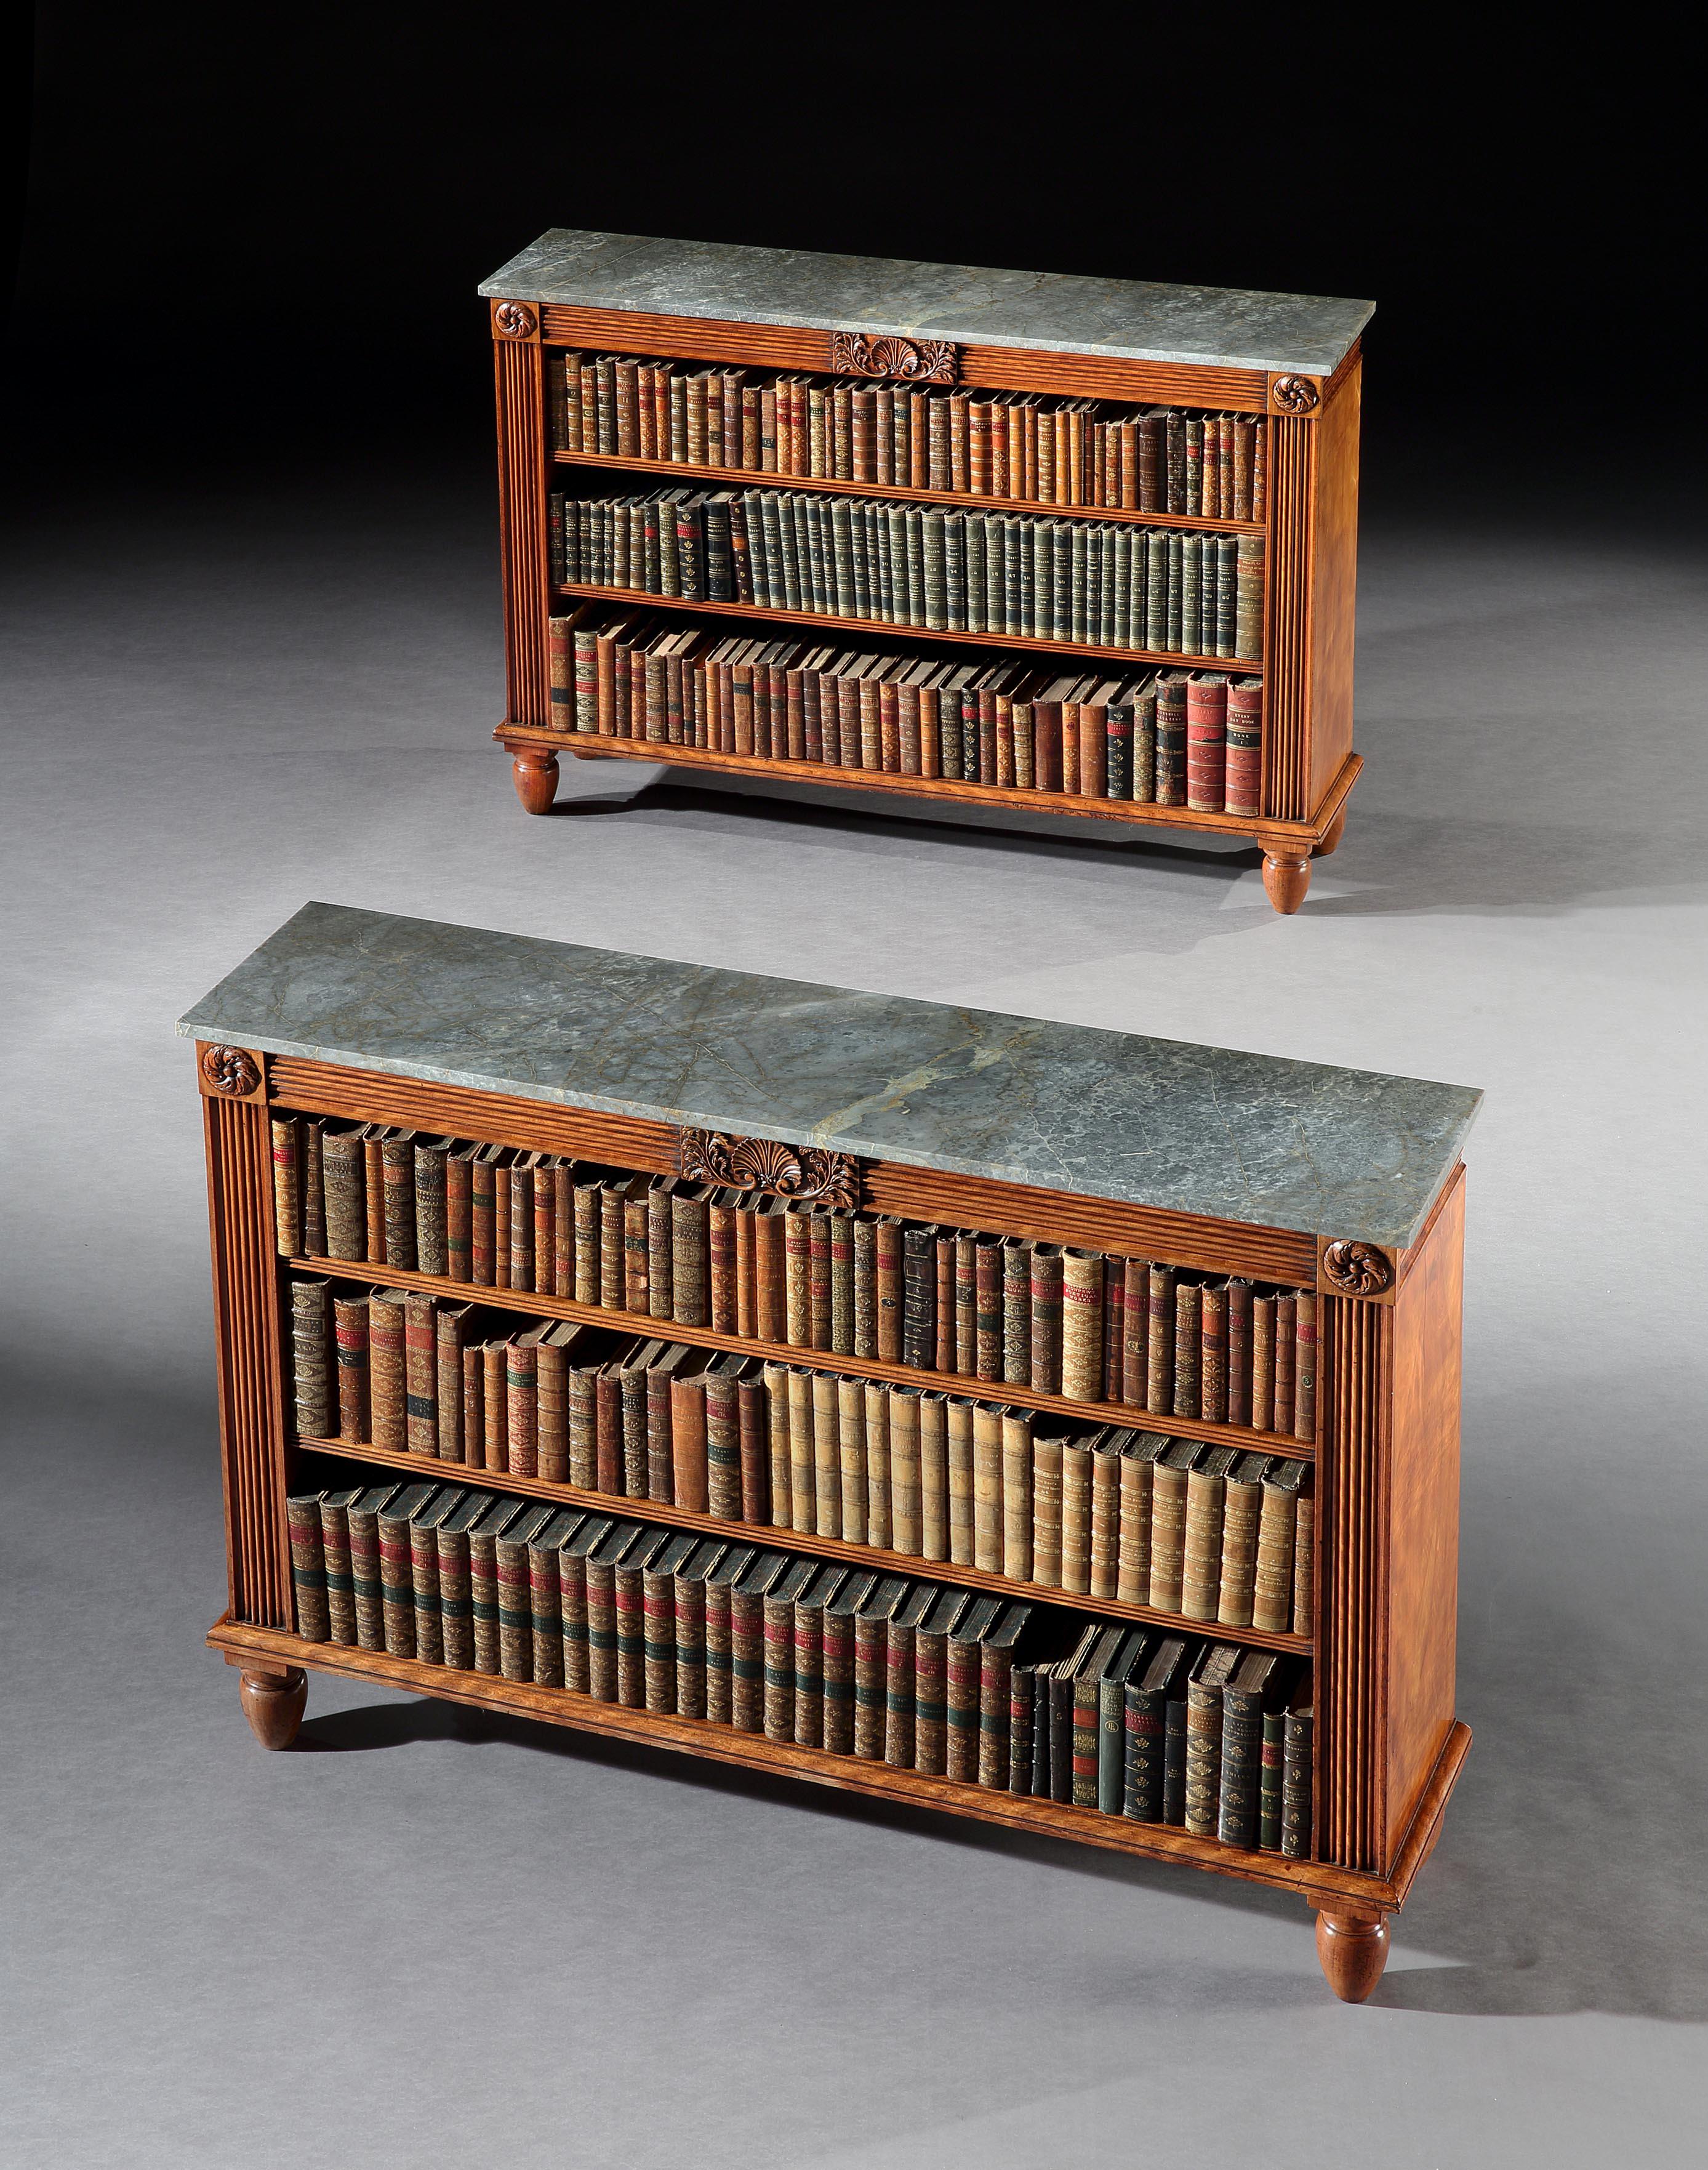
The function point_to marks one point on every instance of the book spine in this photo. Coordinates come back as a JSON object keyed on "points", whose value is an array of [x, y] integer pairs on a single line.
{"points": [[552, 1409], [424, 1587], [899, 1727], [387, 1425], [838, 1632], [1133, 1556], [933, 1478], [875, 1430], [888, 1272], [1016, 1314], [456, 1621], [366, 1589], [1188, 1349], [1286, 1352], [1017, 1496], [1305, 1566], [996, 1715], [778, 1698], [810, 1676], [581, 1394], [1047, 1512], [1269, 1781], [871, 1677], [749, 1661], [723, 1448], [957, 1424], [459, 1219], [1168, 1537], [1076, 1516], [1271, 1592], [852, 1484], [1213, 1343], [1159, 1388], [308, 1568], [601, 1632], [658, 1641], [719, 1654], [482, 1598], [1263, 1363], [1204, 1758], [1296, 1750], [1082, 1326], [1047, 1278], [513, 1590], [1142, 1789], [1241, 1751], [545, 1617], [1244, 779], [1305, 1366], [1106, 1523], [311, 1311], [963, 1693], [1201, 1578], [420, 1373], [1086, 1734], [628, 1609], [287, 1185], [350, 1333], [689, 1615]]}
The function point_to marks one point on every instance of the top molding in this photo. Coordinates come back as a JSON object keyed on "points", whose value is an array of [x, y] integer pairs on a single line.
{"points": [[1140, 320]]}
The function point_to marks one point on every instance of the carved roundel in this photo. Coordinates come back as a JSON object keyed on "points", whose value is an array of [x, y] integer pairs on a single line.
{"points": [[1356, 1269], [1293, 395], [514, 319], [230, 1070]]}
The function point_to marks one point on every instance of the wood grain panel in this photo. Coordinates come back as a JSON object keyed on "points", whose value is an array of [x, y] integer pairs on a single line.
{"points": [[691, 339], [246, 1319], [1334, 587], [1316, 1882], [1287, 632], [1424, 1570], [1354, 1384], [521, 449]]}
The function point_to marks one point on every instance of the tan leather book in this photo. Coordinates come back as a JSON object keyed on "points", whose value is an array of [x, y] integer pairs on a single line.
{"points": [[313, 1188], [1106, 1512], [349, 1316], [1047, 1510], [1016, 1311], [1169, 1473], [1263, 1363], [1076, 1513], [512, 1586], [798, 1313], [1305, 1565], [344, 1182], [1188, 1349], [850, 1437], [987, 1488], [420, 1373], [827, 1456], [1286, 1353], [495, 1408], [1213, 1342], [933, 1477], [746, 1268], [474, 1405], [904, 1482], [802, 1467], [397, 1199], [1272, 1594], [1304, 1365], [721, 1212], [450, 1328], [1159, 1385], [373, 1138], [878, 1529], [582, 1383], [887, 1272], [585, 1283], [958, 1425], [334, 1537], [287, 1194], [775, 1381], [611, 1244], [1133, 1558], [1016, 1481], [308, 1566], [1082, 1326], [1206, 1506], [428, 1183], [313, 1360]]}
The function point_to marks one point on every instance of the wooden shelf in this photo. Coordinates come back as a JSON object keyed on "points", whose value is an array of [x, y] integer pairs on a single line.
{"points": [[762, 614], [726, 1744], [954, 1383], [798, 1541], [956, 500]]}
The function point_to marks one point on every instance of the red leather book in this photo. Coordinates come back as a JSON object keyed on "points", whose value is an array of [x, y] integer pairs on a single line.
{"points": [[1206, 740], [1244, 787]]}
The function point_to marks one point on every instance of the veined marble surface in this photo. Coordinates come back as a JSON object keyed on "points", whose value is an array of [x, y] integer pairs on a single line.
{"points": [[1109, 1115], [1135, 319]]}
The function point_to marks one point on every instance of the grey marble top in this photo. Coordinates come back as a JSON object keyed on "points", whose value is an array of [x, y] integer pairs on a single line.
{"points": [[1110, 1114], [1136, 319]]}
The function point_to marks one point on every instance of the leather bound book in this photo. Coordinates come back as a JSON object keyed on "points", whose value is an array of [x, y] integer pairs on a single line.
{"points": [[397, 1578], [1248, 635], [933, 1477], [1138, 1454], [997, 1642], [723, 1437], [778, 1633], [1130, 1383], [1203, 1737], [1263, 1363], [841, 1238], [958, 1426], [780, 1475], [628, 1611], [660, 1250], [987, 1488], [1174, 1758], [862, 1236], [661, 1366], [658, 1586], [904, 1479], [1304, 1365], [552, 1353], [1238, 1352], [386, 1423], [397, 1199], [1046, 1510], [1169, 1473], [1022, 1702], [585, 1285], [483, 1582], [746, 1283], [802, 1486], [637, 1296], [943, 1358], [754, 1442], [1125, 1659], [459, 1213], [631, 1391], [751, 1692], [342, 1180], [720, 1213], [919, 1297], [1297, 1752], [363, 1519], [1016, 1491], [1241, 1508], [850, 1461], [373, 1135], [962, 1319], [607, 1384], [1046, 1318], [1243, 1701], [572, 1554], [287, 1189], [974, 1617], [522, 1404], [427, 1200], [1304, 1564], [899, 1727], [544, 1597], [482, 1214], [1078, 1713], [837, 1661], [495, 1445], [308, 1566], [797, 1256], [424, 1572], [1146, 1698], [1082, 1326], [310, 1368], [1206, 740], [875, 1434], [1114, 1310], [1171, 738], [810, 1611], [770, 1269], [1213, 1343], [1105, 1511], [1269, 1781], [581, 1385], [818, 1281], [1272, 1593], [1206, 1510], [1076, 1513], [720, 1583], [827, 1455], [1188, 1349], [1016, 1256], [456, 1611], [870, 1665], [474, 1407], [601, 1585], [1286, 1333], [512, 1577], [1244, 781], [888, 1273], [311, 1179], [690, 1614], [349, 1316], [1159, 1387]]}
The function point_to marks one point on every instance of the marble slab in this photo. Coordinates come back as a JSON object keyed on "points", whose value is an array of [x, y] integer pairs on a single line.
{"points": [[1110, 1114], [1133, 320]]}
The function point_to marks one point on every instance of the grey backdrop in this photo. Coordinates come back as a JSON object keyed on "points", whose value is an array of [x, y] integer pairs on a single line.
{"points": [[430, 1937]]}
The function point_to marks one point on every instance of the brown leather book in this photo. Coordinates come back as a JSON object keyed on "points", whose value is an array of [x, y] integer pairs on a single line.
{"points": [[1082, 1326], [1239, 1356], [1169, 1473], [689, 1285], [522, 1403], [1244, 772], [1304, 1365], [287, 1192], [636, 1298], [1203, 1736], [584, 1222], [612, 1204], [1241, 1519], [1047, 1277], [313, 1188], [1171, 738], [753, 1427], [690, 1476], [1047, 1457], [809, 1610], [664, 1366], [367, 1591], [876, 1434], [863, 1248], [1015, 1485], [904, 1427], [1076, 1513], [308, 1566], [1263, 1363], [770, 1269], [349, 1315], [818, 1227], [1105, 1511], [1138, 1453], [484, 1216], [957, 1436], [723, 1436], [519, 1177], [887, 1269], [1286, 1338], [607, 1383], [1188, 1349], [312, 1359], [373, 1137], [1213, 1342], [455, 1612], [1206, 1508], [513, 1589], [1130, 1383], [1016, 1257], [343, 1178], [1159, 1388], [495, 1404], [629, 1608], [827, 1456], [721, 1210], [746, 1271], [933, 1477], [474, 1406], [334, 1538], [553, 1360], [853, 1504], [420, 1373], [544, 1597], [397, 1199], [762, 1633], [797, 1248], [872, 1619], [424, 1572], [900, 1712], [720, 1581], [1272, 1593], [942, 1343], [1206, 740], [459, 1214], [1305, 1564], [930, 1681]]}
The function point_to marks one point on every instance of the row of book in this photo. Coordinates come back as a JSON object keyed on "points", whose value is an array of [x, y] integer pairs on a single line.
{"points": [[1046, 450], [981, 1690], [1183, 1525], [995, 1309], [1164, 738], [1102, 583]]}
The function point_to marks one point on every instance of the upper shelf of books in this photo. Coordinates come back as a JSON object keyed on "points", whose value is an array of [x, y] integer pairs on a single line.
{"points": [[1159, 1123], [1132, 319]]}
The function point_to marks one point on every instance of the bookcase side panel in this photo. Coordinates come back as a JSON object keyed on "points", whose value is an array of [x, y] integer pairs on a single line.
{"points": [[1334, 579], [246, 1324], [521, 461], [1287, 616], [1424, 1496]]}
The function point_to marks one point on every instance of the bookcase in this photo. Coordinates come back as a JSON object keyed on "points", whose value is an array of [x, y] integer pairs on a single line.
{"points": [[937, 406], [1226, 1172]]}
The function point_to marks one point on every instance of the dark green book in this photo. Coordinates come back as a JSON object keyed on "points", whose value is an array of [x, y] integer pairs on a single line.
{"points": [[1146, 1699], [1023, 1691], [1296, 1751], [1127, 1657], [1243, 1701], [1063, 1699]]}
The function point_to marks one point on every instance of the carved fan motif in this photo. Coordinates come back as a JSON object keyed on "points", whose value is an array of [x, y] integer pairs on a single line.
{"points": [[919, 361], [514, 319], [1356, 1269], [230, 1070], [1292, 395], [767, 1164]]}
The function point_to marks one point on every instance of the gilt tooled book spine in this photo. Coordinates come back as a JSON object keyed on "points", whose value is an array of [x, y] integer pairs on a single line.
{"points": [[723, 1446], [366, 1592], [1296, 1765], [854, 1503], [1017, 1312], [1204, 1757], [1213, 1342], [1272, 1592], [1305, 1565], [310, 1318], [484, 1174], [1245, 746], [448, 1327], [342, 1166], [635, 1280], [1082, 1326], [334, 1539], [397, 1181], [1286, 1352], [494, 1403], [1248, 636], [1188, 1349], [1114, 1320], [427, 1177], [1047, 1511], [459, 1215], [1132, 1557], [987, 1488], [513, 1590], [659, 1627], [287, 1185], [1263, 1363], [423, 1573], [552, 1410], [819, 1281], [387, 1425], [1076, 1515], [420, 1373], [933, 1478], [958, 1444], [919, 1297], [1160, 1362], [1168, 1528], [1304, 1365], [1241, 1509], [660, 1252], [809, 1711], [943, 1306], [1206, 1507], [888, 1273], [1017, 1495], [1145, 1716], [1106, 1519], [1022, 1695], [826, 1455], [350, 1330], [1047, 1278], [374, 1193], [1242, 1752], [308, 1567], [689, 1304], [1269, 1781]]}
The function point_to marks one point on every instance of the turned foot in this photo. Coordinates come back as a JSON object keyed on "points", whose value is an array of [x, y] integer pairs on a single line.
{"points": [[273, 1703], [1353, 1949], [1286, 877], [1332, 835], [535, 769]]}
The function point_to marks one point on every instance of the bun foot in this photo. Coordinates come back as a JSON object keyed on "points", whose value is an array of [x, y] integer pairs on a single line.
{"points": [[1286, 878], [534, 771], [1353, 1949], [274, 1703], [1331, 836]]}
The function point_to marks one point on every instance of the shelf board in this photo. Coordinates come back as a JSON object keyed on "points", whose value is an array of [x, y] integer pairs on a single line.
{"points": [[956, 500], [1317, 1882], [875, 1368], [798, 1540], [1019, 644]]}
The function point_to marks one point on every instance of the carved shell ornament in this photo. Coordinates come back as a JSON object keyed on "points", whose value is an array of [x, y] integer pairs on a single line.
{"points": [[230, 1070], [917, 361], [1293, 395], [766, 1164], [1356, 1269], [514, 319]]}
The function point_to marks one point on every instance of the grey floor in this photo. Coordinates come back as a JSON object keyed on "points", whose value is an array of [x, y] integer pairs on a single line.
{"points": [[431, 1938]]}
